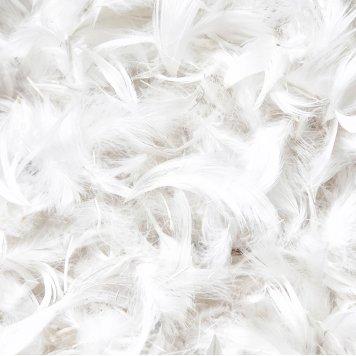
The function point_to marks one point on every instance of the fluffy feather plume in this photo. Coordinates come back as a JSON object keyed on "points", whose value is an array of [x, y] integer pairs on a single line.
{"points": [[177, 176]]}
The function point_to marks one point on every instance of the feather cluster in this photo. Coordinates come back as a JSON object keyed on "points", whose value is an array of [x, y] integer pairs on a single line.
{"points": [[178, 176]]}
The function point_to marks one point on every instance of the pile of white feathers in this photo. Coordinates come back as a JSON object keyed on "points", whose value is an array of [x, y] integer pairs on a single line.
{"points": [[178, 176]]}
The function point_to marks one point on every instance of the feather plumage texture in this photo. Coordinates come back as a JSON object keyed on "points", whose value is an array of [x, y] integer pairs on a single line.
{"points": [[178, 176]]}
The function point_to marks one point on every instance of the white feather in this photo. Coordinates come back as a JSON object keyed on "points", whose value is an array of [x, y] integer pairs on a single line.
{"points": [[177, 176]]}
